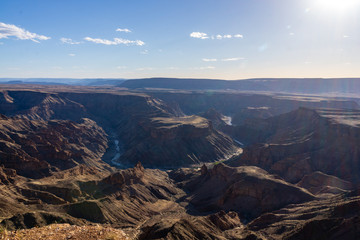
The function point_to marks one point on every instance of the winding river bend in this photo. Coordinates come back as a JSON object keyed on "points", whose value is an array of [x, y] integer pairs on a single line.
{"points": [[114, 152], [117, 155]]}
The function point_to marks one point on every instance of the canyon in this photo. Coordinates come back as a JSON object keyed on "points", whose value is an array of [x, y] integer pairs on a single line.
{"points": [[179, 164]]}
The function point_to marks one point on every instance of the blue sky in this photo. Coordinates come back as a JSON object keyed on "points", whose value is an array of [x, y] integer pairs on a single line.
{"points": [[224, 39]]}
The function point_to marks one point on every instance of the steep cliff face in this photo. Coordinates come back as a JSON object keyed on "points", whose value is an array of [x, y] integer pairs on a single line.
{"points": [[35, 148], [304, 141], [178, 141], [39, 105]]}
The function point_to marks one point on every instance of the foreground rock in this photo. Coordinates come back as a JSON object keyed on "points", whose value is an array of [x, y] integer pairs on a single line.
{"points": [[66, 231], [206, 203]]}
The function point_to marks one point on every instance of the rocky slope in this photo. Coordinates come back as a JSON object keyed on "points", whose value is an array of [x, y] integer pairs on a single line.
{"points": [[39, 105], [334, 218], [178, 141], [249, 191], [320, 183], [35, 148], [152, 204], [302, 142], [214, 226]]}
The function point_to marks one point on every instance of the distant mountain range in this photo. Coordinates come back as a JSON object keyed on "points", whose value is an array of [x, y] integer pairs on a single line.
{"points": [[279, 85], [287, 85], [64, 81]]}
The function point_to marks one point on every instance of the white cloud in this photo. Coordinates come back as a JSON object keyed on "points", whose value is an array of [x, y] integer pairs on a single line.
{"points": [[123, 30], [217, 36], [72, 54], [101, 41], [9, 30], [231, 59], [116, 41], [145, 52], [68, 41], [238, 36], [209, 59], [199, 35]]}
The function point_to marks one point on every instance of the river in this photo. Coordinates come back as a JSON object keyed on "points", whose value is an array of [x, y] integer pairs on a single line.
{"points": [[117, 155]]}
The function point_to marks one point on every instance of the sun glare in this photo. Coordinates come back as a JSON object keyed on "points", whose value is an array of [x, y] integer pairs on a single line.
{"points": [[340, 5]]}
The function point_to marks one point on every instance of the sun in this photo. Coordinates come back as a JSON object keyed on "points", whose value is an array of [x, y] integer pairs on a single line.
{"points": [[340, 5]]}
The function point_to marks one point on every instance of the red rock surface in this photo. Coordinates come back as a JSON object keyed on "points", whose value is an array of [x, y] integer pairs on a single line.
{"points": [[35, 148]]}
